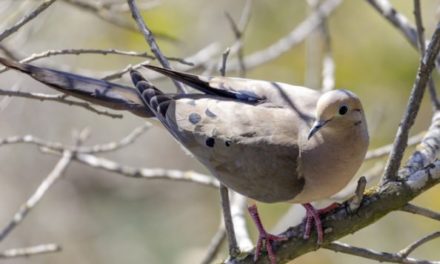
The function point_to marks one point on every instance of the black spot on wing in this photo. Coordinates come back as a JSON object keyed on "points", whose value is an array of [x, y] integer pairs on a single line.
{"points": [[227, 143], [194, 118], [210, 142]]}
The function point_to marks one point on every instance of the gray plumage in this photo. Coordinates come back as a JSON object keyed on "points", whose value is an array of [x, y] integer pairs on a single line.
{"points": [[253, 134]]}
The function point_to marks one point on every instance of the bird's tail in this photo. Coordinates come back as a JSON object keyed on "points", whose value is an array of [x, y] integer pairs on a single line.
{"points": [[96, 91]]}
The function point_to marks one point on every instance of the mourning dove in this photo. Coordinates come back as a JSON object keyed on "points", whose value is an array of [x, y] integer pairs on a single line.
{"points": [[269, 141], [257, 138]]}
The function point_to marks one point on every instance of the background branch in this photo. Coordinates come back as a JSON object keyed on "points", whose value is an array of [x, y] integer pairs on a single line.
{"points": [[149, 37], [423, 75], [25, 19]]}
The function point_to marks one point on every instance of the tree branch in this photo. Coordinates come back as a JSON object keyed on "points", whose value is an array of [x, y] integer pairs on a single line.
{"points": [[409, 249], [149, 37], [29, 251], [146, 173], [423, 74], [385, 150], [24, 20], [372, 254], [59, 98], [296, 36], [339, 223], [414, 209], [24, 210], [100, 148], [421, 39], [398, 20]]}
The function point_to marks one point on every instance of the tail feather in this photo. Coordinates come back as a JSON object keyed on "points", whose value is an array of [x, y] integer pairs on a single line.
{"points": [[96, 91], [152, 97]]}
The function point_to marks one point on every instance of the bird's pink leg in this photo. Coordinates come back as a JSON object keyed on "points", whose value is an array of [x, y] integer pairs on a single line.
{"points": [[263, 236], [315, 215]]}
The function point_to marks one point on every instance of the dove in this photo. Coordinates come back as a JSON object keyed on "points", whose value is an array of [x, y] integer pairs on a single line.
{"points": [[270, 141]]}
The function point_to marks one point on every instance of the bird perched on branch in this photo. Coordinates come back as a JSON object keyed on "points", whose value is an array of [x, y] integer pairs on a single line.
{"points": [[269, 141]]}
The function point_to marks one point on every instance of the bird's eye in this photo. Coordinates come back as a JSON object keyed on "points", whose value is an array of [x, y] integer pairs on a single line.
{"points": [[343, 110]]}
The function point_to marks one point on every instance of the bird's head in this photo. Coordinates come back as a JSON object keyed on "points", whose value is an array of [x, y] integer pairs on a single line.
{"points": [[337, 111]]}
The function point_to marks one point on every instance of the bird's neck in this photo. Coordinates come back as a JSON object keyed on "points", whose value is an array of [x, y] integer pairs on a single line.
{"points": [[327, 174]]}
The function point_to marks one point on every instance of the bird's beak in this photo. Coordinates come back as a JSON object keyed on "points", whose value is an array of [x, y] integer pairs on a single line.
{"points": [[316, 127]]}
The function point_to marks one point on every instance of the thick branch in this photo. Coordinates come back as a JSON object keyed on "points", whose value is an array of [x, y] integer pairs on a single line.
{"points": [[376, 204], [423, 74]]}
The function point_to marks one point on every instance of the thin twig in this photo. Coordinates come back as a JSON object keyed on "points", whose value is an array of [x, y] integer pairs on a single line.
{"points": [[313, 52], [199, 59], [60, 98], [215, 244], [421, 38], [149, 37], [423, 74], [372, 254], [111, 146], [110, 12], [328, 64], [238, 212], [358, 194], [144, 173], [24, 210], [293, 38], [385, 150], [120, 73], [224, 192], [50, 53], [399, 21], [410, 248], [9, 52], [229, 225], [30, 251], [28, 17], [224, 61], [414, 209], [238, 31]]}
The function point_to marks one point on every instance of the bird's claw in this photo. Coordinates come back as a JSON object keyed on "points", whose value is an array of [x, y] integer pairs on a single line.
{"points": [[315, 215], [267, 239]]}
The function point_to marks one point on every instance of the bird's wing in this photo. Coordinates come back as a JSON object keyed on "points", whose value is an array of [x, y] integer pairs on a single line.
{"points": [[251, 148], [107, 94], [272, 94]]}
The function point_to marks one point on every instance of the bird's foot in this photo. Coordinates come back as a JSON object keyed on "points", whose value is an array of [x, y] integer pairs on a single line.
{"points": [[263, 236], [315, 215]]}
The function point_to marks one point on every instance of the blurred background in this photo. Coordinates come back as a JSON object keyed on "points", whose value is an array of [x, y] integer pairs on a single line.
{"points": [[99, 217]]}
